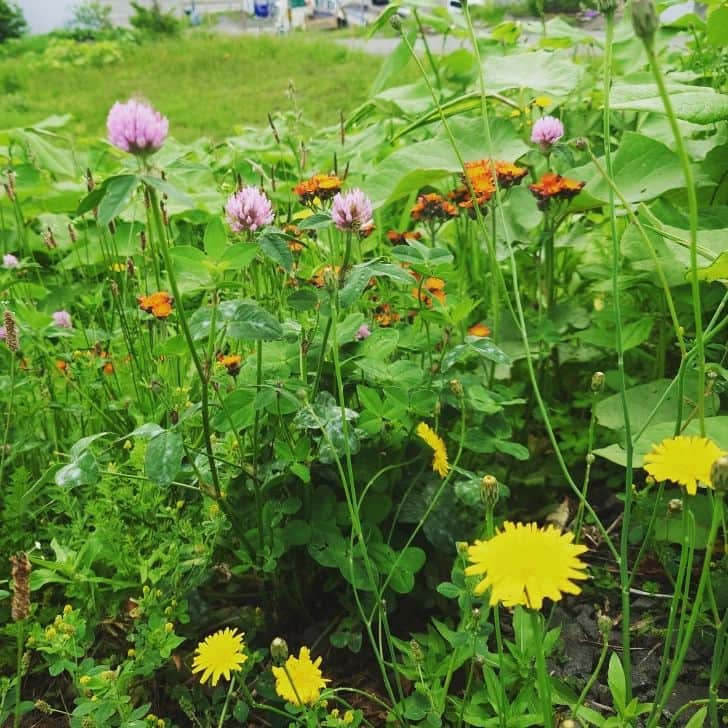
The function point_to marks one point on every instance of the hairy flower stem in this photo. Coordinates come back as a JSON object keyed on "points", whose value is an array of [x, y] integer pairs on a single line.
{"points": [[542, 675], [682, 648], [202, 373], [693, 219], [624, 576]]}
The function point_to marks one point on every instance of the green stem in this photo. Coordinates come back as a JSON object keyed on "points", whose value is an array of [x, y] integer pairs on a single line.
{"points": [[693, 219], [593, 677], [624, 577], [19, 670], [542, 675], [682, 648]]}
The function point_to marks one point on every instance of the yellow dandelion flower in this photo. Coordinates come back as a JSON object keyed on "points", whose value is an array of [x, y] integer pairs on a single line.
{"points": [[440, 463], [219, 655], [304, 675], [523, 564], [684, 460], [542, 101]]}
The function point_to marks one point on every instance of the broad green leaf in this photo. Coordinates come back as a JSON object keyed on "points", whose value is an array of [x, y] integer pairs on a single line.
{"points": [[697, 104], [698, 718], [717, 31], [718, 270], [48, 154], [250, 321], [215, 238], [117, 193], [238, 257], [393, 65], [191, 266], [542, 71], [81, 471], [164, 457], [643, 169], [274, 245]]}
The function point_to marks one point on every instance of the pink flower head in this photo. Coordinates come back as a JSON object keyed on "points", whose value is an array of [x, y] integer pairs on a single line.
{"points": [[363, 333], [547, 131], [10, 261], [62, 319], [352, 210], [136, 128], [248, 209]]}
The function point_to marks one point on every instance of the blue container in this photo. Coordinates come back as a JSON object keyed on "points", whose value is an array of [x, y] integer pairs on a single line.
{"points": [[261, 9]]}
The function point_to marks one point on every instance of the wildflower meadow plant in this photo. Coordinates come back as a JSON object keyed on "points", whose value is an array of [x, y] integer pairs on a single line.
{"points": [[248, 209], [547, 131], [352, 211], [137, 128]]}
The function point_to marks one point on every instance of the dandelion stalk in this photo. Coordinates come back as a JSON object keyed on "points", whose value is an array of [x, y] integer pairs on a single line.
{"points": [[646, 31], [542, 675], [624, 577]]}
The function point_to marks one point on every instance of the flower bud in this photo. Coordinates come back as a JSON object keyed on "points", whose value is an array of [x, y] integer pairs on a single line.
{"points": [[719, 474], [396, 22], [279, 650], [416, 651], [590, 458], [489, 490], [456, 387], [462, 547], [568, 723], [644, 20], [20, 606], [604, 624], [675, 505], [607, 7], [597, 382]]}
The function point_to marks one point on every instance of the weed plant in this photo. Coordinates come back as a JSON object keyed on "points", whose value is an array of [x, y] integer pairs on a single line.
{"points": [[355, 426]]}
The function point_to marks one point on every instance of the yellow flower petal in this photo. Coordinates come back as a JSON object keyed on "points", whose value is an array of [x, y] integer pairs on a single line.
{"points": [[301, 678], [219, 654], [524, 564], [440, 463], [683, 460]]}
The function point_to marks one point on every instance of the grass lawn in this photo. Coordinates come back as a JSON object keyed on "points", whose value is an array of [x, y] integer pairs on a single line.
{"points": [[205, 84]]}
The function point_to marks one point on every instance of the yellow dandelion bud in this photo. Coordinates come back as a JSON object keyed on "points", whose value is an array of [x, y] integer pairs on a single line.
{"points": [[349, 717], [169, 627], [67, 609], [84, 679], [131, 652], [50, 632], [440, 464]]}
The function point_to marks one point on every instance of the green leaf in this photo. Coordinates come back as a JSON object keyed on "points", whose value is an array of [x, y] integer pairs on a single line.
{"points": [[697, 104], [164, 457], [215, 238], [190, 266], [238, 257], [250, 321], [617, 683], [315, 222], [81, 471], [718, 270], [698, 718], [644, 169], [274, 245], [117, 193], [393, 65], [550, 73], [717, 31]]}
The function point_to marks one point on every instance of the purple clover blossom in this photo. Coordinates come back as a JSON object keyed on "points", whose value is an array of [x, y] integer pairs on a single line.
{"points": [[362, 333], [62, 319], [248, 209], [546, 132], [352, 210], [10, 261], [135, 127]]}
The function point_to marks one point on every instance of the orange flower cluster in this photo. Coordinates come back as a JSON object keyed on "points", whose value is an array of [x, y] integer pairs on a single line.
{"points": [[433, 207], [435, 287], [319, 278], [554, 186], [159, 304], [403, 238], [385, 315], [479, 329], [481, 176], [321, 186], [231, 362]]}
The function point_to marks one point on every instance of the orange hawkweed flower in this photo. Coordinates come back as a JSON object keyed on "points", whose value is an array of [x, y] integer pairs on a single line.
{"points": [[61, 365], [159, 304], [231, 362], [385, 315], [435, 287], [479, 329], [323, 186], [319, 278], [433, 206], [403, 238], [508, 174], [552, 186]]}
